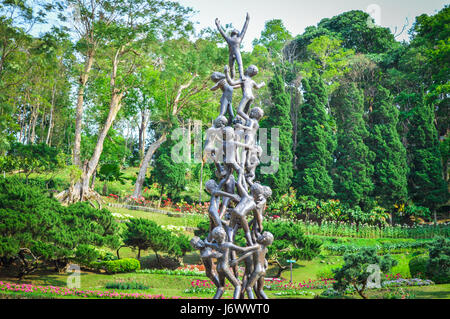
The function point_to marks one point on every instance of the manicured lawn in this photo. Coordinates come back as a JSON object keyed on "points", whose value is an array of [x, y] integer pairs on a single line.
{"points": [[161, 219]]}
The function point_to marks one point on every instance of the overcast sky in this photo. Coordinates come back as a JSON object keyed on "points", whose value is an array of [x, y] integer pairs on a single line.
{"points": [[298, 14]]}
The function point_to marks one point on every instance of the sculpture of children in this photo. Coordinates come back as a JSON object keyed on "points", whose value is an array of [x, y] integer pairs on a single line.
{"points": [[260, 193], [227, 96], [223, 262], [246, 204], [206, 255], [252, 162], [234, 42], [247, 86], [259, 265], [230, 146], [214, 142], [250, 131], [213, 211]]}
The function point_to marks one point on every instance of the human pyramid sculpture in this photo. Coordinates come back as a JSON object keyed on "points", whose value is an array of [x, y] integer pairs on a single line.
{"points": [[231, 146]]}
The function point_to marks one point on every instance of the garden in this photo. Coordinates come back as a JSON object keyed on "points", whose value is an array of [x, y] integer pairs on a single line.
{"points": [[136, 254]]}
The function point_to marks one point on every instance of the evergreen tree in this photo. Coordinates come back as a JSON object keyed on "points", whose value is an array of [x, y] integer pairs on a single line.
{"points": [[315, 142], [278, 117], [425, 182], [353, 167], [167, 173], [390, 164]]}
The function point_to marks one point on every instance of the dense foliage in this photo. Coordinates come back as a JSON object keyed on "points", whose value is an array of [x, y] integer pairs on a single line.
{"points": [[347, 97], [356, 271]]}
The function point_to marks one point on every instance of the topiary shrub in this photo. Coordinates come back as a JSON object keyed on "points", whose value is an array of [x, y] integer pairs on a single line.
{"points": [[418, 267], [355, 271], [119, 265]]}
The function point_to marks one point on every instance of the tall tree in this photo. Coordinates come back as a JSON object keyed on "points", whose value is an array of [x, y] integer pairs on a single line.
{"points": [[169, 174], [126, 43], [353, 167], [390, 164], [426, 185], [278, 117], [315, 142], [182, 94]]}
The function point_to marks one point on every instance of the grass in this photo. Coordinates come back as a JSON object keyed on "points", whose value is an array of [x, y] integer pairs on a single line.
{"points": [[161, 219]]}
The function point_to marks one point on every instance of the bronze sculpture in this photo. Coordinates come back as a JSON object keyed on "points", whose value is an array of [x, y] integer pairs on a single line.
{"points": [[234, 43], [232, 146]]}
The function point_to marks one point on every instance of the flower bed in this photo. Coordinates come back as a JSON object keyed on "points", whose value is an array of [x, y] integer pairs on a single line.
{"points": [[177, 272], [278, 284], [202, 286], [402, 282], [54, 291]]}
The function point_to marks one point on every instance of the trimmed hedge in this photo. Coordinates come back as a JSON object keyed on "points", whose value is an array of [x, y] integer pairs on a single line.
{"points": [[117, 266], [418, 267]]}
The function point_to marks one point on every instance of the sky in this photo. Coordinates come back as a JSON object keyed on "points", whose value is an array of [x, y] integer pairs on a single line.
{"points": [[299, 14]]}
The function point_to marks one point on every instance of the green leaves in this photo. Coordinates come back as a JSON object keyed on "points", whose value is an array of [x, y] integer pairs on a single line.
{"points": [[29, 218], [355, 271]]}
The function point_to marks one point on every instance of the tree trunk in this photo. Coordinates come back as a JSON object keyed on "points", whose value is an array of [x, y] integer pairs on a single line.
{"points": [[280, 269], [79, 110], [143, 132], [157, 258], [94, 175], [50, 124], [117, 251], [144, 165], [105, 188], [34, 116], [81, 190]]}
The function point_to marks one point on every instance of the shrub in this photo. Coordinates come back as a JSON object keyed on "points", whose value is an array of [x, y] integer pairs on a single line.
{"points": [[290, 243], [164, 262], [121, 265], [36, 228], [438, 265], [355, 272], [418, 266]]}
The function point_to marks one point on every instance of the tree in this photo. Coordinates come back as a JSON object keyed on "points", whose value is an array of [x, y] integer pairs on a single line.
{"points": [[390, 166], [274, 37], [357, 33], [168, 174], [35, 228], [278, 117], [143, 234], [326, 56], [183, 94], [425, 182], [430, 37], [126, 44], [315, 142], [356, 271], [140, 233], [353, 167], [35, 158]]}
